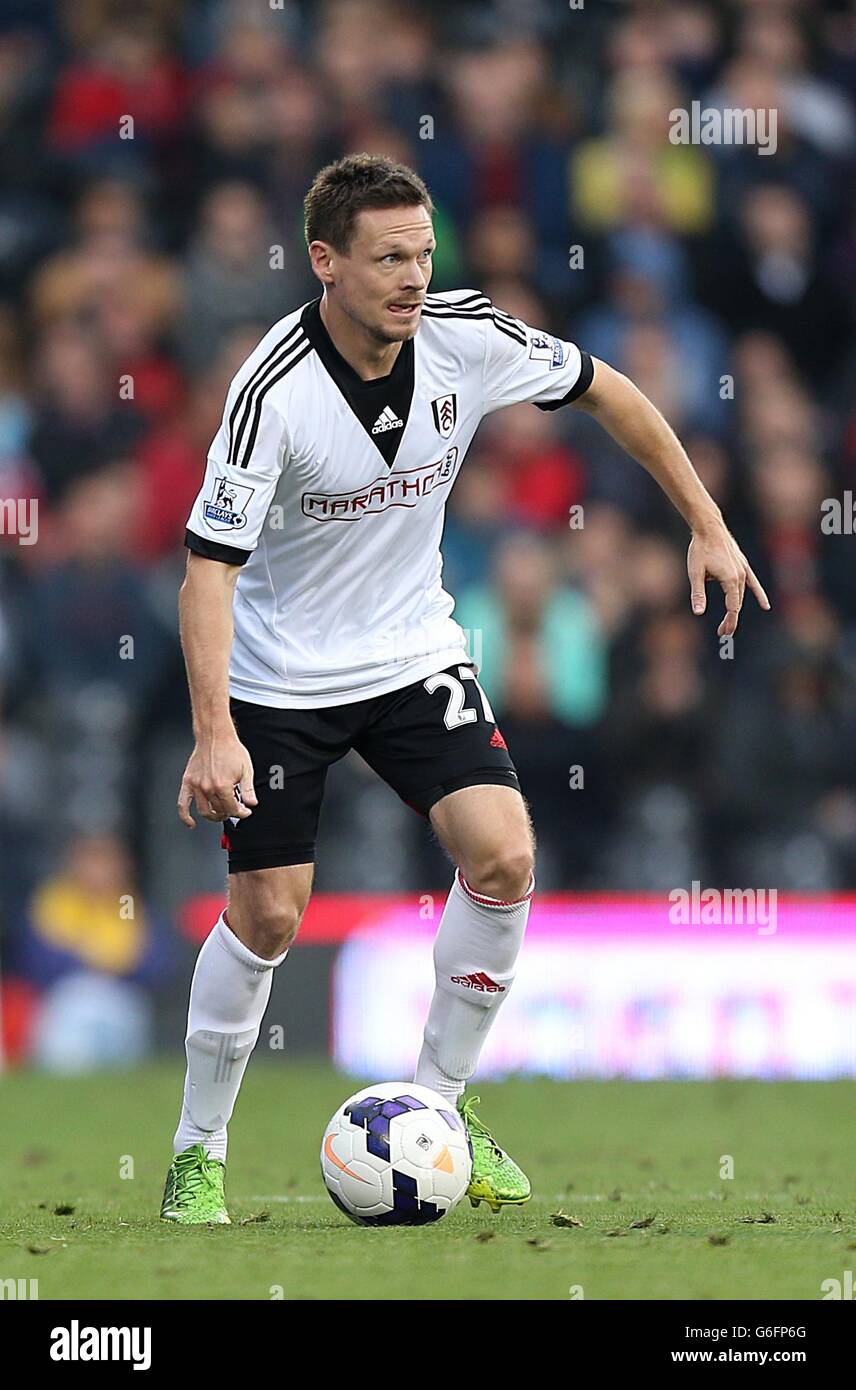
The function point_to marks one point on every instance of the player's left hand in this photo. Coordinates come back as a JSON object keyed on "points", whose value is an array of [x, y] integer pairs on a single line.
{"points": [[715, 554]]}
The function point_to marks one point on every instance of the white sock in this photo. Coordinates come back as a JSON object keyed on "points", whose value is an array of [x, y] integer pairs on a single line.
{"points": [[475, 954], [228, 996]]}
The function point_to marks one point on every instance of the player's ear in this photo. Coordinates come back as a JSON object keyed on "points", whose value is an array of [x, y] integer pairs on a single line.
{"points": [[321, 260]]}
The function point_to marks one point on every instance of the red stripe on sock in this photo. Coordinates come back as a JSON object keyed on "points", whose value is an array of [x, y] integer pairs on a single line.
{"points": [[492, 902]]}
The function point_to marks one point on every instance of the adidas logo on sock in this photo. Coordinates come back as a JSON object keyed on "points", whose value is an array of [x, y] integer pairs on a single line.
{"points": [[387, 420], [480, 981]]}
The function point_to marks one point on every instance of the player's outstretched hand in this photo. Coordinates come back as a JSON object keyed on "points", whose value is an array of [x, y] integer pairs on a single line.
{"points": [[219, 778], [715, 554]]}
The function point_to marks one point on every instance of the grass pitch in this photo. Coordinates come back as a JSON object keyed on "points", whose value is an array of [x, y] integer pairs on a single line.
{"points": [[637, 1164]]}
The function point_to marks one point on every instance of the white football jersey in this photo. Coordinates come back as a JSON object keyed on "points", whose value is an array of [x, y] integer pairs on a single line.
{"points": [[331, 491]]}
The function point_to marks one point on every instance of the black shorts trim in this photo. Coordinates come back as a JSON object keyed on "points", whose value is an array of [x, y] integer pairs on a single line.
{"points": [[244, 861], [481, 777]]}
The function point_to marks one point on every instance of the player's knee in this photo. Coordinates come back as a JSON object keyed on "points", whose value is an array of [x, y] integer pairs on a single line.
{"points": [[268, 927], [274, 930], [505, 873]]}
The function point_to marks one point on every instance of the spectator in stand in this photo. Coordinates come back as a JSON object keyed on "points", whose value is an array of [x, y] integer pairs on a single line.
{"points": [[526, 622], [16, 473], [814, 108], [235, 272], [89, 915], [785, 764], [170, 458], [657, 722], [632, 174], [87, 943], [769, 279], [649, 285], [587, 561], [96, 651], [476, 519], [656, 739], [79, 420], [124, 68], [501, 151], [540, 477], [789, 485]]}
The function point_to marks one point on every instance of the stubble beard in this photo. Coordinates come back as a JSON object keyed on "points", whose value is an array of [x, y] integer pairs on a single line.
{"points": [[380, 335]]}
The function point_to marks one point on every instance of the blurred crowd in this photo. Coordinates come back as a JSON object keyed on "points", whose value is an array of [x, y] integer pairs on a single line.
{"points": [[153, 160]]}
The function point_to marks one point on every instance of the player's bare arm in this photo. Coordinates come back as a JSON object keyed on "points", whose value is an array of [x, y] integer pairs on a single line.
{"points": [[636, 424], [219, 762]]}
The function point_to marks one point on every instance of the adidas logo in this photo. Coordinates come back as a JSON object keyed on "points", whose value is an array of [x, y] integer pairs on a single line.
{"points": [[387, 420], [480, 981]]}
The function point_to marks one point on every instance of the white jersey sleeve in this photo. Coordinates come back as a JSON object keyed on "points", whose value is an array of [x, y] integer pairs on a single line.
{"points": [[244, 465], [527, 364]]}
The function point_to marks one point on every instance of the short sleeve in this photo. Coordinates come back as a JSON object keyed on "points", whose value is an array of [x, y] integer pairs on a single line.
{"points": [[244, 464], [527, 364]]}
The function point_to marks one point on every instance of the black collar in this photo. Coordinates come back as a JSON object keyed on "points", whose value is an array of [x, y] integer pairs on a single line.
{"points": [[381, 400]]}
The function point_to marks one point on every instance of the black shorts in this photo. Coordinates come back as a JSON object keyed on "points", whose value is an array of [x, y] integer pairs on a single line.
{"points": [[425, 740]]}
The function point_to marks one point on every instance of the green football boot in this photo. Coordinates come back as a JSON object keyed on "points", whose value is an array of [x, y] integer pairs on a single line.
{"points": [[194, 1194], [496, 1178]]}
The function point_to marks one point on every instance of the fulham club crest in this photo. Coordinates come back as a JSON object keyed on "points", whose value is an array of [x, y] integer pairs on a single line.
{"points": [[445, 410]]}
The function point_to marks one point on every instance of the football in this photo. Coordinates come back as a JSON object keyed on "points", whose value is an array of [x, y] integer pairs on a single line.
{"points": [[396, 1154]]}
